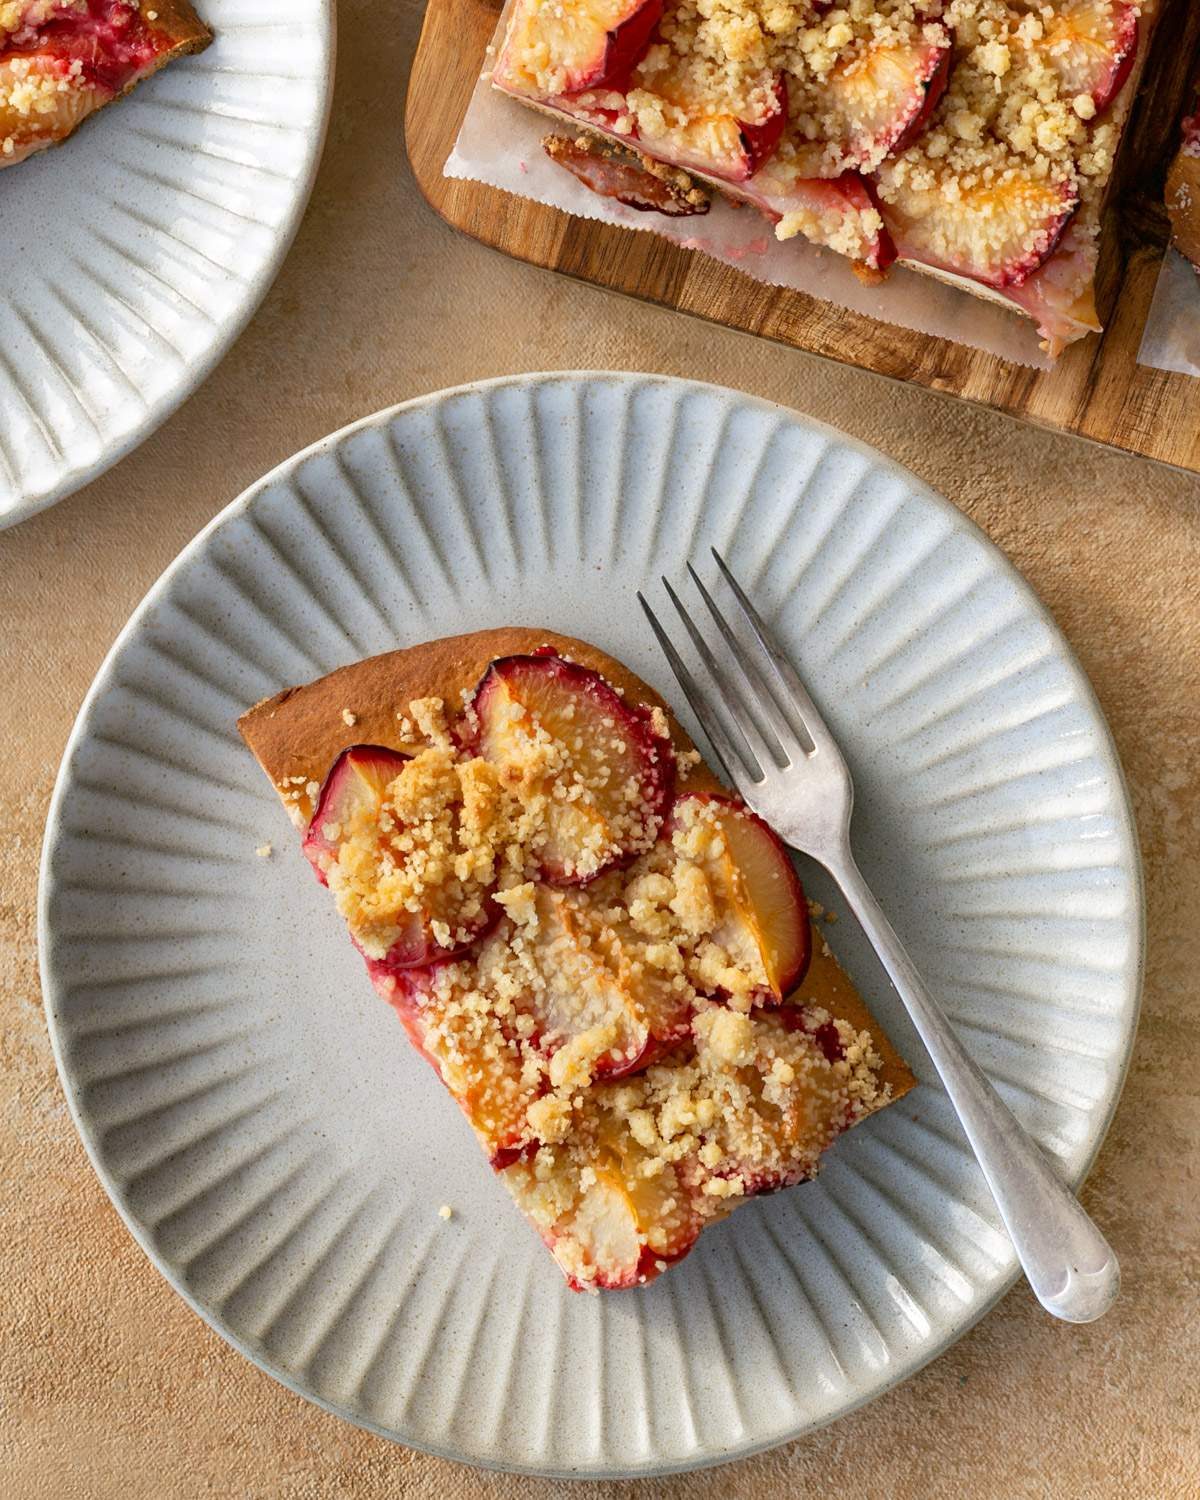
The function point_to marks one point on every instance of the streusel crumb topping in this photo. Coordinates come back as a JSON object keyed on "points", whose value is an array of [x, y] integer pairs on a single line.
{"points": [[1007, 109], [432, 846], [617, 1042], [749, 1105]]}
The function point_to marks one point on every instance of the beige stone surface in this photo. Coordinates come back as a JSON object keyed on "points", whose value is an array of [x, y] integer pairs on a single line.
{"points": [[109, 1386]]}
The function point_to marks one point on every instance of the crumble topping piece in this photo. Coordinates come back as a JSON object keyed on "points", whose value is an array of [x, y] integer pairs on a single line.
{"points": [[647, 1162]]}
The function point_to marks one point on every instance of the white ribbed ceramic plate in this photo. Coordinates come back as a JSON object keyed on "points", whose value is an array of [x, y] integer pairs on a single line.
{"points": [[255, 1111], [136, 252]]}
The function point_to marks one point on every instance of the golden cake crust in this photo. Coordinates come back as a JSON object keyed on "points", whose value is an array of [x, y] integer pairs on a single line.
{"points": [[180, 22], [1183, 202]]}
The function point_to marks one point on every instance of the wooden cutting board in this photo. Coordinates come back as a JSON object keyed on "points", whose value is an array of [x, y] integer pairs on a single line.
{"points": [[1096, 390]]}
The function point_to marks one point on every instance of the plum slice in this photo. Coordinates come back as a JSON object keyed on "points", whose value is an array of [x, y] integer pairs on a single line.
{"points": [[72, 98], [728, 137], [791, 1101], [876, 101], [934, 86], [760, 901], [110, 39], [619, 1216], [488, 1083], [605, 1227], [353, 792], [840, 212], [626, 1226], [1091, 45], [592, 771], [347, 842], [996, 228], [555, 48], [592, 994], [612, 172], [761, 137]]}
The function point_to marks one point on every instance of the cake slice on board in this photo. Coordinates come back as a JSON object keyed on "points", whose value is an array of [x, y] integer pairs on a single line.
{"points": [[972, 140]]}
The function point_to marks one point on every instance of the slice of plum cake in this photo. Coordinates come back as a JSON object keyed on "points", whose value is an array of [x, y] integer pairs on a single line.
{"points": [[62, 60], [607, 958], [972, 140]]}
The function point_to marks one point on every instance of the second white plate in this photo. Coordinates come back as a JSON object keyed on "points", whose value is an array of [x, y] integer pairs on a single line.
{"points": [[255, 1111], [135, 253]]}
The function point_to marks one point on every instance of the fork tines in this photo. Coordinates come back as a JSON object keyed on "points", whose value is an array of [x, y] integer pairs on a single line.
{"points": [[759, 719]]}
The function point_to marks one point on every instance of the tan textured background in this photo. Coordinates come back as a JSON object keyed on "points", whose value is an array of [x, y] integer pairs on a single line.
{"points": [[109, 1386]]}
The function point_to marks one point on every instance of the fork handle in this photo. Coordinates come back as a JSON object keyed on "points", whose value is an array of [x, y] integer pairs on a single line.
{"points": [[1068, 1262]]}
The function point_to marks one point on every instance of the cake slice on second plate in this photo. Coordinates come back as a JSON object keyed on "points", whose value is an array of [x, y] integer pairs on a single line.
{"points": [[62, 60]]}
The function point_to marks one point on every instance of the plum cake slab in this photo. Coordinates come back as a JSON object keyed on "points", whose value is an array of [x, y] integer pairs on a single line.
{"points": [[62, 60], [606, 958], [972, 140]]}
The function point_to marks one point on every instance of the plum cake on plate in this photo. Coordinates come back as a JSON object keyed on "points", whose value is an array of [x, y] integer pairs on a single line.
{"points": [[607, 959], [972, 140], [62, 60]]}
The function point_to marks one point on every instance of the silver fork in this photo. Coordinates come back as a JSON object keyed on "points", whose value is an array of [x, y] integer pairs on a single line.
{"points": [[781, 757]]}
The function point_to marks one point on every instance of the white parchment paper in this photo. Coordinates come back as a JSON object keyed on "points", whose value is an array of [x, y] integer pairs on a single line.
{"points": [[500, 144], [1171, 338]]}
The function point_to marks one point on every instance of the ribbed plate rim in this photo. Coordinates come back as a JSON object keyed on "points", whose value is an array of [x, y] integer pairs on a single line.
{"points": [[1105, 748], [158, 411]]}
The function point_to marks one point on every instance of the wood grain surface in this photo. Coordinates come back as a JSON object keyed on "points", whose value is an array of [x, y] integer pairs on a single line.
{"points": [[1097, 389]]}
